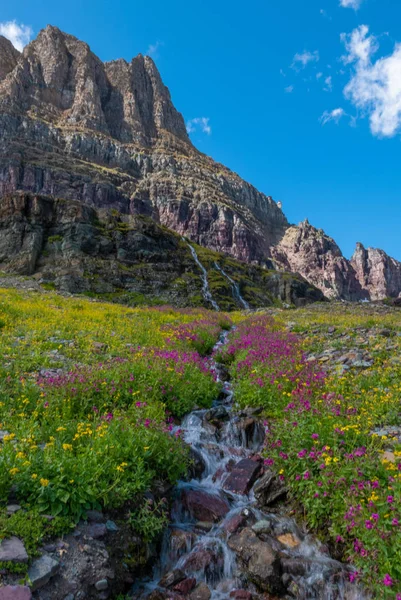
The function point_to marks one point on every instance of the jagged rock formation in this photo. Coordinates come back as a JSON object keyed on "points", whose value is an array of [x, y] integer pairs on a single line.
{"points": [[107, 135], [309, 251], [378, 274], [73, 247]]}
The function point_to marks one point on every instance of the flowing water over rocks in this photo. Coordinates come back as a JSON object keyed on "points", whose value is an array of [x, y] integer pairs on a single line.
{"points": [[205, 287], [224, 541], [236, 292]]}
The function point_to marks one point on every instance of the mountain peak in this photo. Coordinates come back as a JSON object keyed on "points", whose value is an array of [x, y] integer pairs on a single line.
{"points": [[62, 81]]}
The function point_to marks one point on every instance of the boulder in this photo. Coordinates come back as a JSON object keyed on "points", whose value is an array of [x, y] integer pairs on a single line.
{"points": [[185, 586], [203, 506], [41, 571], [268, 489], [259, 560], [197, 464], [13, 550], [242, 476]]}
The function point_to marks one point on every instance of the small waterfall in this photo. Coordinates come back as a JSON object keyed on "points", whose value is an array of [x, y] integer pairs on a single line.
{"points": [[205, 288], [236, 293]]}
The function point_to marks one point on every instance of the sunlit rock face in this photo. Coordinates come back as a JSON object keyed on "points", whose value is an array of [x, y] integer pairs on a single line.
{"points": [[378, 274]]}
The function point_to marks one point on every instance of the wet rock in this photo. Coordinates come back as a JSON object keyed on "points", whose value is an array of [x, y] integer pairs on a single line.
{"points": [[268, 490], [289, 540], [262, 527], [172, 578], [234, 523], [203, 506], [41, 571], [252, 432], [185, 586], [243, 476], [258, 559], [13, 550], [203, 560], [201, 592], [181, 541], [219, 413], [15, 592], [197, 465]]}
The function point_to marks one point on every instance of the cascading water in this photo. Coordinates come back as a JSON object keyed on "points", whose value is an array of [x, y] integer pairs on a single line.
{"points": [[236, 293], [197, 559], [205, 288]]}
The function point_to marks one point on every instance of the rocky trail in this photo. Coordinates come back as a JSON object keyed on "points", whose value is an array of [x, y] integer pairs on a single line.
{"points": [[227, 537]]}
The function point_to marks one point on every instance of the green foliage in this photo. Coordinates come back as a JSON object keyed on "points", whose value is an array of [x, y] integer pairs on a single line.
{"points": [[32, 528], [149, 520], [54, 238]]}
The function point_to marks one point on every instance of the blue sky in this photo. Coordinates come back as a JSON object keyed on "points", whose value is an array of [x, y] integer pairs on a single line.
{"points": [[265, 77]]}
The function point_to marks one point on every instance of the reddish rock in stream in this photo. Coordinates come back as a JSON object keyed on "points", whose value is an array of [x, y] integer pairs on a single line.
{"points": [[203, 506], [243, 476]]}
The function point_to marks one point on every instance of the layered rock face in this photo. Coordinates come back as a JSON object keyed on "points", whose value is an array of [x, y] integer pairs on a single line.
{"points": [[108, 135], [378, 274], [309, 251]]}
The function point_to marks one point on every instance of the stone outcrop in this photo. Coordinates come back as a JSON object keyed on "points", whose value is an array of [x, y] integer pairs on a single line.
{"points": [[378, 274], [310, 252]]}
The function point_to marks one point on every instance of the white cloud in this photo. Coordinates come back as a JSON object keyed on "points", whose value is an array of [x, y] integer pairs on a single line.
{"points": [[328, 84], [289, 89], [332, 115], [319, 75], [359, 46], [201, 123], [375, 86], [302, 59], [18, 33], [355, 4], [153, 49]]}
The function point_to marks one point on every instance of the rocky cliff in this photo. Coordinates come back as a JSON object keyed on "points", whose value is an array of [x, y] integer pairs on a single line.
{"points": [[107, 135], [67, 245], [307, 250], [378, 274]]}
